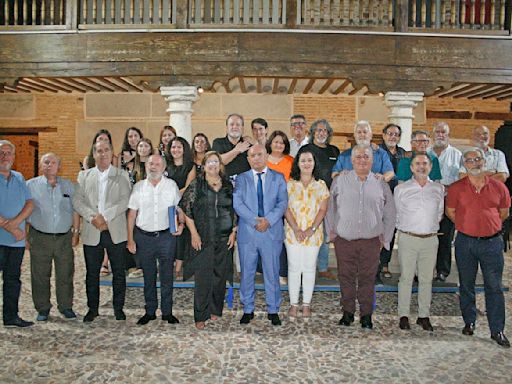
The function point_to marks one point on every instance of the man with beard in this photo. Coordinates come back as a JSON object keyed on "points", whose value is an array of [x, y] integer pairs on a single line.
{"points": [[320, 135], [419, 144], [419, 206], [495, 163], [449, 159], [478, 204], [233, 147], [381, 167], [150, 238]]}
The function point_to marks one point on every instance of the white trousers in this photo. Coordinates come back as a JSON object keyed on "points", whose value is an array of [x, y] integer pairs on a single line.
{"points": [[301, 263]]}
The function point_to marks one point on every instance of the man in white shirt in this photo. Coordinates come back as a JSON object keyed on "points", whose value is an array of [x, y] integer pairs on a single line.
{"points": [[449, 161], [419, 206], [149, 236], [298, 131]]}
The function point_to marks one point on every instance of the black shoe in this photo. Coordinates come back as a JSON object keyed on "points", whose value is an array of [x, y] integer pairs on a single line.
{"points": [[468, 329], [90, 316], [425, 323], [366, 322], [404, 323], [441, 277], [246, 318], [501, 339], [378, 280], [274, 318], [347, 319], [18, 322], [170, 319], [146, 319], [119, 314]]}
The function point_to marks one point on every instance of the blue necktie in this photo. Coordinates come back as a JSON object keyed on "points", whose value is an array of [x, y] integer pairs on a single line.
{"points": [[259, 192]]}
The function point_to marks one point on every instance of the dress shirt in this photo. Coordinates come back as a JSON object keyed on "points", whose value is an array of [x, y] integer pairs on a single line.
{"points": [[494, 161], [449, 161], [419, 209], [53, 208], [295, 145], [361, 209], [13, 197], [263, 177], [102, 190], [153, 202], [381, 161]]}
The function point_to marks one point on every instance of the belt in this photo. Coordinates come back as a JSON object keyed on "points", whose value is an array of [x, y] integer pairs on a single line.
{"points": [[482, 237], [425, 236], [49, 234], [152, 234]]}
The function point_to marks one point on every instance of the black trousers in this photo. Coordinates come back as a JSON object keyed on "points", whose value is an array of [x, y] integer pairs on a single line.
{"points": [[444, 252]]}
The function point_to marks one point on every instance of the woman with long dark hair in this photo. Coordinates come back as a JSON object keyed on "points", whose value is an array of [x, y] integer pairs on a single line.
{"points": [[200, 145], [132, 137], [166, 134]]}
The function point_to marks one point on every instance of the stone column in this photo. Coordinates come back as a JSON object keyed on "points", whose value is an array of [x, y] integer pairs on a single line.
{"points": [[401, 105], [180, 99]]}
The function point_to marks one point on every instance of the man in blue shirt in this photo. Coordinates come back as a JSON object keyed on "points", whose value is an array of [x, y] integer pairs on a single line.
{"points": [[15, 206], [381, 167]]}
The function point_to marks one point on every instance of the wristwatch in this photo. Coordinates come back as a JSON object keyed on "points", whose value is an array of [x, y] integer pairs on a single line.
{"points": [[313, 228]]}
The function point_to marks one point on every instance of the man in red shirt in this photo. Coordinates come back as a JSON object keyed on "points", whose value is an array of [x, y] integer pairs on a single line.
{"points": [[478, 205]]}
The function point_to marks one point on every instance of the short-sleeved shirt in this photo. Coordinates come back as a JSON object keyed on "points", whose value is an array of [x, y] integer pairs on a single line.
{"points": [[284, 166], [304, 203], [326, 157], [239, 164], [494, 161], [14, 194], [478, 213], [53, 207], [381, 161], [449, 160], [404, 172]]}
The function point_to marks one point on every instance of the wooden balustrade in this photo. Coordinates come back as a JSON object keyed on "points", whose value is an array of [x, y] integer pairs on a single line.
{"points": [[32, 12], [126, 12]]}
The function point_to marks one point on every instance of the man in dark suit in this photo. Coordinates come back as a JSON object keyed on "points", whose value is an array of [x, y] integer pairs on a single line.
{"points": [[260, 200]]}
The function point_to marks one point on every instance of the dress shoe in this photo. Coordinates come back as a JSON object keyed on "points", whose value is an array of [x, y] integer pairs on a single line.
{"points": [[404, 323], [425, 323], [170, 319], [366, 322], [441, 277], [68, 314], [146, 319], [347, 319], [119, 314], [43, 316], [18, 322], [246, 318], [274, 318], [501, 339], [468, 329], [90, 316]]}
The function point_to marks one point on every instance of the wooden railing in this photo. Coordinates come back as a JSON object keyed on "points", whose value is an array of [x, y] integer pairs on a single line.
{"points": [[384, 14]]}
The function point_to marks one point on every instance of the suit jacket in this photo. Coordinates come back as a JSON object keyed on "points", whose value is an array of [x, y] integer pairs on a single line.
{"points": [[245, 202], [85, 202]]}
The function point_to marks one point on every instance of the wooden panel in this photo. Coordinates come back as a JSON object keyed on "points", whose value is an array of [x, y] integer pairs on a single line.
{"points": [[449, 115], [493, 116], [156, 12]]}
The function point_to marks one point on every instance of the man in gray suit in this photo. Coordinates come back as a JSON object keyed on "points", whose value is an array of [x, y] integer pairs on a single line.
{"points": [[102, 201]]}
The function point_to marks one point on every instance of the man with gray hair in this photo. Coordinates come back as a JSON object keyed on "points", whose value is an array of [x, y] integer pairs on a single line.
{"points": [[495, 163], [360, 221], [298, 131], [381, 166], [320, 135], [54, 231], [449, 159], [15, 206], [478, 204]]}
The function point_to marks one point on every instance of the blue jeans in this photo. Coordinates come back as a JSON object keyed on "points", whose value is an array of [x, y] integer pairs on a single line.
{"points": [[469, 252], [322, 261], [10, 265], [149, 250]]}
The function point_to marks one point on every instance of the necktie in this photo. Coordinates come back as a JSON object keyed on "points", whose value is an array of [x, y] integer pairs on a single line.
{"points": [[259, 192]]}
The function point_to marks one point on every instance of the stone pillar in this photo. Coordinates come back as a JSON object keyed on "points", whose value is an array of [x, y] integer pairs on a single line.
{"points": [[180, 99], [401, 105]]}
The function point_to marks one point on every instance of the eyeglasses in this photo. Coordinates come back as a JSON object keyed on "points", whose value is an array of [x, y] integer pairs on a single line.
{"points": [[298, 123], [472, 160], [393, 134]]}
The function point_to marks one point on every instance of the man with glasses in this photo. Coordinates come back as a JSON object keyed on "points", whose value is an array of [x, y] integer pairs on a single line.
{"points": [[449, 159], [419, 144], [478, 204], [298, 131]]}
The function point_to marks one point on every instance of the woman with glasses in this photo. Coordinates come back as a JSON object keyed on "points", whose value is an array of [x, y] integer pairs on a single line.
{"points": [[208, 206]]}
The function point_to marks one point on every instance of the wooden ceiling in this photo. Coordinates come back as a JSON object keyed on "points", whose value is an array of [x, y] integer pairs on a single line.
{"points": [[242, 84]]}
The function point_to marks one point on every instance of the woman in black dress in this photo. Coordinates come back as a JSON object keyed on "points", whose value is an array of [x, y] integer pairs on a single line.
{"points": [[200, 145], [209, 214]]}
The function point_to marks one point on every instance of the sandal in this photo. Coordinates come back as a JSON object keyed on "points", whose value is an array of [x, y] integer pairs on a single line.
{"points": [[104, 271], [292, 312], [200, 325], [306, 311]]}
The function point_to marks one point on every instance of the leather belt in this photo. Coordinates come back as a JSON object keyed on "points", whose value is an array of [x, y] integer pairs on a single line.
{"points": [[483, 237], [49, 234], [152, 234], [425, 236]]}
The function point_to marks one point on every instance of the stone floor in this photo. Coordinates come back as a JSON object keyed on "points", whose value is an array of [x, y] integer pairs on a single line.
{"points": [[318, 351]]}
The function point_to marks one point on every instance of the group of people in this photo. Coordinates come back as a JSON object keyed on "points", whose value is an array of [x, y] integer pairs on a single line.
{"points": [[280, 202]]}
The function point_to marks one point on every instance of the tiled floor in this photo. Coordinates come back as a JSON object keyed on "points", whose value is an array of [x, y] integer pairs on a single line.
{"points": [[318, 351]]}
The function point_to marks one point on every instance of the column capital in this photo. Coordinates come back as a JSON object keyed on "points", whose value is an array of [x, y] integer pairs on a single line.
{"points": [[395, 98], [179, 93], [401, 105], [180, 99]]}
